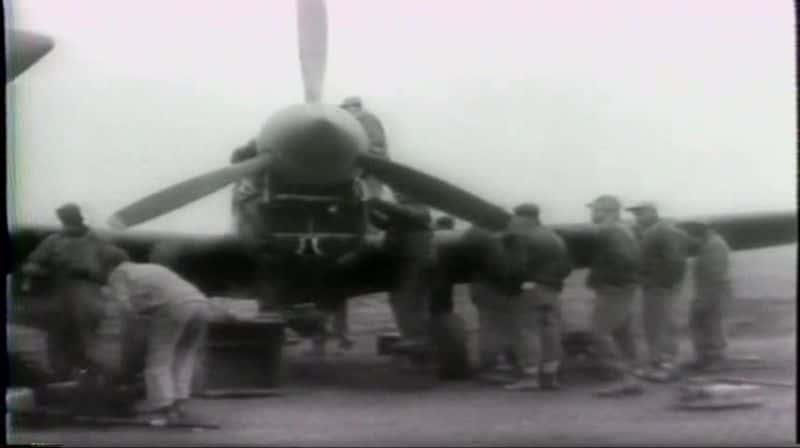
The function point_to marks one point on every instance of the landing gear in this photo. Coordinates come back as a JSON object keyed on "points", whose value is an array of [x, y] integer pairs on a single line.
{"points": [[449, 337]]}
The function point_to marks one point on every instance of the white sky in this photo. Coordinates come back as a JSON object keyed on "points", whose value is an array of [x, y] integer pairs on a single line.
{"points": [[682, 101]]}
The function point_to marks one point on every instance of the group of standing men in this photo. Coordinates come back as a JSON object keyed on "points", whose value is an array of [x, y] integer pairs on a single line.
{"points": [[520, 320], [651, 258]]}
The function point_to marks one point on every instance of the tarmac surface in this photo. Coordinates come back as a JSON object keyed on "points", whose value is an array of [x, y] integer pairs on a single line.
{"points": [[361, 399]]}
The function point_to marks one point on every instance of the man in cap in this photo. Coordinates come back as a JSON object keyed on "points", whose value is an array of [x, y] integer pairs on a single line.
{"points": [[545, 261], [73, 263], [614, 276], [409, 240], [712, 295], [177, 315], [376, 134], [664, 252]]}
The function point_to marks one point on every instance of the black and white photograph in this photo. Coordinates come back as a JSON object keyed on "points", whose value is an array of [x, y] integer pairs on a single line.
{"points": [[401, 222]]}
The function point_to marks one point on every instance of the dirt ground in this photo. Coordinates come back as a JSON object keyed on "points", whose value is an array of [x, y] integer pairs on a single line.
{"points": [[361, 399]]}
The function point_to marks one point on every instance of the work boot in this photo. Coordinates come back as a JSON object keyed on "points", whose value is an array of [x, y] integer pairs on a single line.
{"points": [[155, 415], [549, 381], [525, 384], [664, 373]]}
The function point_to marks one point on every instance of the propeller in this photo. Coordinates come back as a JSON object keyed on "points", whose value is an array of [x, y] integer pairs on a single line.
{"points": [[25, 50], [312, 23], [185, 192], [313, 29], [436, 193]]}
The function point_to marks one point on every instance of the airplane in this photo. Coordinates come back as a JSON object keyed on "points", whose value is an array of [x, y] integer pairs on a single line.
{"points": [[306, 236]]}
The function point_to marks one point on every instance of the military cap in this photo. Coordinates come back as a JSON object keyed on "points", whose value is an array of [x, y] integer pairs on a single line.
{"points": [[644, 205], [606, 201], [527, 210], [352, 101]]}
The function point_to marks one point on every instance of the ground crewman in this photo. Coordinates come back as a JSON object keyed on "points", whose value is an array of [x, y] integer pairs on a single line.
{"points": [[538, 310], [377, 138], [72, 262], [614, 278], [177, 319], [664, 250], [713, 291]]}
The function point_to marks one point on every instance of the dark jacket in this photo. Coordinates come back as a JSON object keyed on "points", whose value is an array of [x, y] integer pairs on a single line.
{"points": [[664, 253], [549, 262], [409, 233], [712, 265], [75, 256], [616, 260]]}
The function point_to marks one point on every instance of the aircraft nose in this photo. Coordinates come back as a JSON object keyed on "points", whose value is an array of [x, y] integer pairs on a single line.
{"points": [[323, 146]]}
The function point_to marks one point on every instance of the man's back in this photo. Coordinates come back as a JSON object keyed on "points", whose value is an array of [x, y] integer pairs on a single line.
{"points": [[664, 253], [712, 265], [617, 259], [151, 285], [374, 129], [549, 258]]}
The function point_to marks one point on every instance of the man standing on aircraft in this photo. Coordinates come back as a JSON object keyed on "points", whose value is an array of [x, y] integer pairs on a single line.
{"points": [[177, 315], [538, 332], [73, 262], [614, 277], [247, 191], [377, 138], [664, 251], [713, 293]]}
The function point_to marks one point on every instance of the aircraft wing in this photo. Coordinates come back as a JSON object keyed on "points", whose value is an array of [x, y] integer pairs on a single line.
{"points": [[459, 255], [214, 263]]}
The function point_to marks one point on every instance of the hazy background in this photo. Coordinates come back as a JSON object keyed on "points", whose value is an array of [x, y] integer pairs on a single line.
{"points": [[687, 102]]}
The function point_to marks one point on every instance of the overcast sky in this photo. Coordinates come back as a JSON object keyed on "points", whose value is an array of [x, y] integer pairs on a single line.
{"points": [[682, 101]]}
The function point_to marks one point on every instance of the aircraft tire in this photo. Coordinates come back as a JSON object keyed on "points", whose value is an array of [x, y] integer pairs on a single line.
{"points": [[449, 337]]}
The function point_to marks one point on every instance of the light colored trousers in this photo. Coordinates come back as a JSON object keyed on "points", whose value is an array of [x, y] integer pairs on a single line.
{"points": [[706, 320], [537, 340], [659, 318], [612, 326], [176, 334]]}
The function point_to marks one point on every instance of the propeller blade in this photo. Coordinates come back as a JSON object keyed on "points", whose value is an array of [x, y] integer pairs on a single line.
{"points": [[312, 24], [436, 193], [185, 192], [25, 49]]}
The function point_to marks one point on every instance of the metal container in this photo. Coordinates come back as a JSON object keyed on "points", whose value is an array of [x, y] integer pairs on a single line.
{"points": [[244, 354]]}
